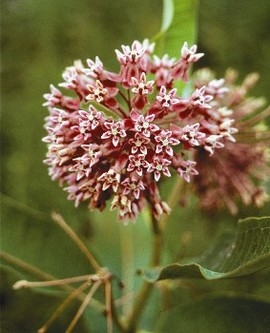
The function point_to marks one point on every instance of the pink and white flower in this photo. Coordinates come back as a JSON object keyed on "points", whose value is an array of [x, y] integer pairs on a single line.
{"points": [[123, 132]]}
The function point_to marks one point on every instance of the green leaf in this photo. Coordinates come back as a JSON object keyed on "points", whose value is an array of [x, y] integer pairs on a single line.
{"points": [[167, 15], [232, 255], [178, 25], [217, 314]]}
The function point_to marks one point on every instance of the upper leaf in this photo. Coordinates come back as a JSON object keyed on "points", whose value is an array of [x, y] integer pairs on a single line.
{"points": [[178, 25], [232, 255]]}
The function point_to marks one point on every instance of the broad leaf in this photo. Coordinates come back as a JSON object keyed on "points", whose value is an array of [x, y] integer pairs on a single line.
{"points": [[232, 255], [217, 314], [178, 25]]}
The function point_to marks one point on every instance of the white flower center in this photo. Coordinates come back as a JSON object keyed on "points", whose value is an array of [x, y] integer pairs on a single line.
{"points": [[145, 124]]}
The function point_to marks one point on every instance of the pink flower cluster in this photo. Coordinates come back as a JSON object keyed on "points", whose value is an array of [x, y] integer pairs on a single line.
{"points": [[122, 132], [240, 169]]}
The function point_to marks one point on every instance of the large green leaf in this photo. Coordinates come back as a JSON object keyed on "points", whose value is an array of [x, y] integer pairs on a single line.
{"points": [[232, 255], [217, 314], [178, 25]]}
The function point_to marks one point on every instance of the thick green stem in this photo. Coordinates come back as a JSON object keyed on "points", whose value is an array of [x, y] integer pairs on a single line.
{"points": [[146, 289]]}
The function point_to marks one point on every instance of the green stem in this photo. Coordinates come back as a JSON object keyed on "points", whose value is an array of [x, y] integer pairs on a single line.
{"points": [[146, 289], [127, 263], [157, 243], [13, 261], [173, 199], [77, 241]]}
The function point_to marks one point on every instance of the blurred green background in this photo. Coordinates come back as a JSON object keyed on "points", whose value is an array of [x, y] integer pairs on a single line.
{"points": [[39, 39]]}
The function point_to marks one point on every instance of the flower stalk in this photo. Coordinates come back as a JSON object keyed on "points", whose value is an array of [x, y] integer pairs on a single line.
{"points": [[76, 239], [132, 319]]}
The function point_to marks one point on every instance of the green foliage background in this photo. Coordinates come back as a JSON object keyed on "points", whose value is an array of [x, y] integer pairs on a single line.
{"points": [[41, 38]]}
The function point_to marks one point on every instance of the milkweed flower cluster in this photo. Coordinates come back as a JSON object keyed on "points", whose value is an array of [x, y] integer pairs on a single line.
{"points": [[115, 135], [240, 169]]}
